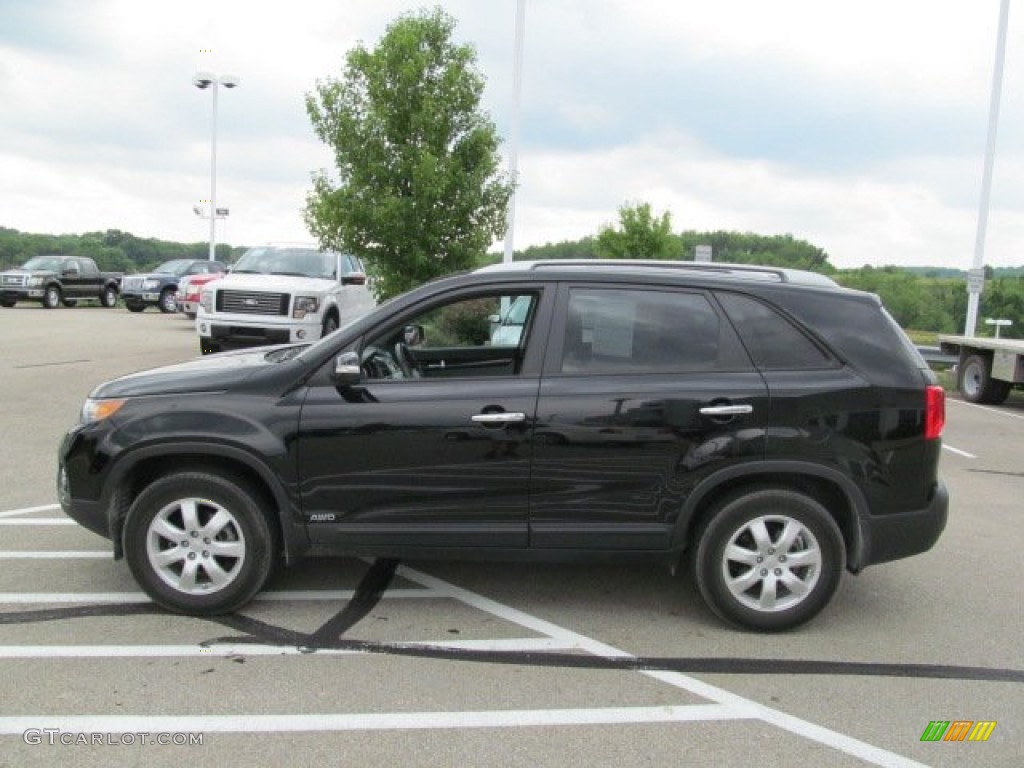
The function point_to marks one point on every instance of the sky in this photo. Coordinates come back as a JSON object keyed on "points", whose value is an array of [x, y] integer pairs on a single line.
{"points": [[859, 126]]}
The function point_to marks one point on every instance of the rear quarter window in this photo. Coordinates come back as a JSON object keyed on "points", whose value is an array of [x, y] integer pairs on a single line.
{"points": [[773, 341]]}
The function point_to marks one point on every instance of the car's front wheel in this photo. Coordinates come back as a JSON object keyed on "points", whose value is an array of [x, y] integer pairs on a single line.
{"points": [[52, 297], [167, 302], [199, 543], [109, 297], [769, 559]]}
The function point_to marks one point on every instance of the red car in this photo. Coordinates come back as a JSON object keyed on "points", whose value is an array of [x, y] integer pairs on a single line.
{"points": [[188, 291]]}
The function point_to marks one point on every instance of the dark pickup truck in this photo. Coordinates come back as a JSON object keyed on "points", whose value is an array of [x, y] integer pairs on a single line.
{"points": [[56, 280]]}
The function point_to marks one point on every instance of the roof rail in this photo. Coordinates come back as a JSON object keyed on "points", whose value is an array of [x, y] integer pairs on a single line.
{"points": [[741, 271]]}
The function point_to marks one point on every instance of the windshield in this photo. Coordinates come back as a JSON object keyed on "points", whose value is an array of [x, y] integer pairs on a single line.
{"points": [[177, 267], [43, 263], [298, 262]]}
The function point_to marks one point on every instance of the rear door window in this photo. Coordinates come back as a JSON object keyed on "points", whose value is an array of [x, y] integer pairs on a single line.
{"points": [[640, 330]]}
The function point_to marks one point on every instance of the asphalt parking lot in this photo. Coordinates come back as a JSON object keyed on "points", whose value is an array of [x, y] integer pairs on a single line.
{"points": [[351, 662]]}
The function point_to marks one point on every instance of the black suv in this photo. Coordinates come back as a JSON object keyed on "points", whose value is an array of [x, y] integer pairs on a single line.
{"points": [[773, 426]]}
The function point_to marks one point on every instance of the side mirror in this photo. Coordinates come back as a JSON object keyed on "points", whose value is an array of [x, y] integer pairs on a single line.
{"points": [[347, 370], [353, 278], [413, 335]]}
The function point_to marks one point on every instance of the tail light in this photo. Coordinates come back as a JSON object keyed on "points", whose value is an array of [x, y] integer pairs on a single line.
{"points": [[934, 412]]}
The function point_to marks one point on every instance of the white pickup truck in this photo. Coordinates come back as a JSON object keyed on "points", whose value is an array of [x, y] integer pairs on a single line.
{"points": [[281, 294], [988, 368]]}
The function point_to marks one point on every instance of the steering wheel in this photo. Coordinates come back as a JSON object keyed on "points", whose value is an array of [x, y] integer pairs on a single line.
{"points": [[405, 361]]}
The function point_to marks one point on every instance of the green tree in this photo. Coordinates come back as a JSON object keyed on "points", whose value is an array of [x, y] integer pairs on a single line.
{"points": [[641, 235], [419, 192]]}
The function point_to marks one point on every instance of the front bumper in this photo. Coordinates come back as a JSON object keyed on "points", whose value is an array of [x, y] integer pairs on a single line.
{"points": [[20, 294], [247, 331]]}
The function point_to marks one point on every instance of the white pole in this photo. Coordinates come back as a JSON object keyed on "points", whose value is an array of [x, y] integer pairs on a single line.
{"points": [[990, 151], [513, 147], [213, 175]]}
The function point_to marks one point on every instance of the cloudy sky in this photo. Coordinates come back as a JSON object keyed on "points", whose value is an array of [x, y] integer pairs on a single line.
{"points": [[858, 125]]}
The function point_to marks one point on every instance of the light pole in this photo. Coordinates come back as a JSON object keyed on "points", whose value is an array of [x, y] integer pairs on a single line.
{"points": [[202, 81]]}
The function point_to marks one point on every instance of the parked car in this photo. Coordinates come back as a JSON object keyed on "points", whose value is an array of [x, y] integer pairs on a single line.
{"points": [[189, 289], [768, 425], [159, 288], [56, 280], [281, 293]]}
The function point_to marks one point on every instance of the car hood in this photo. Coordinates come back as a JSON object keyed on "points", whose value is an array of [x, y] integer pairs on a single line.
{"points": [[212, 373], [273, 283]]}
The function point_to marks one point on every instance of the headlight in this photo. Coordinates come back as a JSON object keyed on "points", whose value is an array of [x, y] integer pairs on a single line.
{"points": [[35, 282], [98, 410], [206, 301], [305, 305], [151, 284]]}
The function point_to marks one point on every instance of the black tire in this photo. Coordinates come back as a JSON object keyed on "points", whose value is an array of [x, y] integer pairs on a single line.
{"points": [[167, 303], [976, 384], [69, 302], [8, 303], [109, 297], [51, 297], [330, 325], [797, 573], [199, 543], [208, 347], [132, 306]]}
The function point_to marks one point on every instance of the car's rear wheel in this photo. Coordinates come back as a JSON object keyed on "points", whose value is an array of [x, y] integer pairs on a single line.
{"points": [[8, 303], [977, 384], [69, 302], [769, 559], [199, 543], [133, 306]]}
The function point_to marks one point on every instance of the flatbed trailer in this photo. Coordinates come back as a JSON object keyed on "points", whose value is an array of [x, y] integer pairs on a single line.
{"points": [[988, 368]]}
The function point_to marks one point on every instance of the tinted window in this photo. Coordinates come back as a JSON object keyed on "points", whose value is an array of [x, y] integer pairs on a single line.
{"points": [[622, 331], [771, 339]]}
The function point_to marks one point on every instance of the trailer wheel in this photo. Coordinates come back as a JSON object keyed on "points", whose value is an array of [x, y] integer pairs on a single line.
{"points": [[976, 382]]}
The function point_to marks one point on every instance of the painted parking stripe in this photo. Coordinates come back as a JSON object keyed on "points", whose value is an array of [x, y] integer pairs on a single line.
{"points": [[511, 644], [373, 721], [56, 555], [996, 411], [75, 598], [29, 510], [37, 521], [958, 452]]}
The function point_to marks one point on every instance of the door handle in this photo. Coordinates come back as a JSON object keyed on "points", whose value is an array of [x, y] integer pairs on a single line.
{"points": [[726, 410], [499, 419]]}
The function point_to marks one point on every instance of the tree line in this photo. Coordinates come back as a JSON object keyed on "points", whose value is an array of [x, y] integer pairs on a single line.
{"points": [[113, 250]]}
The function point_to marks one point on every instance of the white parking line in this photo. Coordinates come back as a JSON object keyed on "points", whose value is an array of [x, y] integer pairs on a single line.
{"points": [[56, 555], [372, 721], [958, 452], [38, 521], [519, 644], [29, 510], [996, 411], [78, 598]]}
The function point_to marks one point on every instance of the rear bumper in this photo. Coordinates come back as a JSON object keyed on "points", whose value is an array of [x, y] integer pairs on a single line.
{"points": [[895, 536]]}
